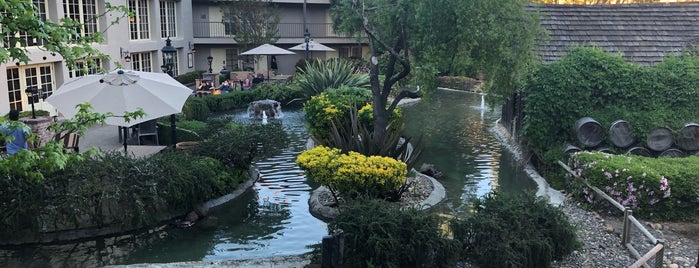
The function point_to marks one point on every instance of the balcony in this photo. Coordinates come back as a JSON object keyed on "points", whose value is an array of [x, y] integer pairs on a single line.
{"points": [[286, 30]]}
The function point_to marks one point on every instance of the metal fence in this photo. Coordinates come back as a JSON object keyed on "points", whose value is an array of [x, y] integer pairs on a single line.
{"points": [[654, 255], [284, 30], [512, 114]]}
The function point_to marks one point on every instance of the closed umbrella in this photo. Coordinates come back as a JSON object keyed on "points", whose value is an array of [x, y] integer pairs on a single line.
{"points": [[267, 50], [122, 91]]}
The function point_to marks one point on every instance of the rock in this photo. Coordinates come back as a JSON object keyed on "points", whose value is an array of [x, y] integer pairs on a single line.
{"points": [[656, 226], [609, 229], [192, 216], [208, 223], [202, 211], [672, 265]]}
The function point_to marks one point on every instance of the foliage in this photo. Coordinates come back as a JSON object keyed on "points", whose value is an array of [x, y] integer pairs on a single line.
{"points": [[251, 22], [459, 83], [320, 75], [323, 109], [590, 82], [130, 192], [497, 37], [351, 174], [195, 109], [189, 77], [509, 230], [356, 136], [21, 18], [29, 113], [282, 92], [236, 145], [381, 234], [656, 188]]}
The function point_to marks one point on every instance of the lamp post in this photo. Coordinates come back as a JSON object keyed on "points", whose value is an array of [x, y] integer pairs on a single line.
{"points": [[32, 91], [168, 56], [210, 59], [306, 34]]}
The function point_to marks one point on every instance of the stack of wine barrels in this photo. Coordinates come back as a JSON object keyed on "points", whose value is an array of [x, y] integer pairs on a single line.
{"points": [[619, 138]]}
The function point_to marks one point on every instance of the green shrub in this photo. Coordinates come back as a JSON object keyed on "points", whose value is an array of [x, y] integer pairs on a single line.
{"points": [[319, 76], [352, 174], [236, 145], [195, 109], [189, 77], [281, 92], [321, 110], [656, 188], [381, 234], [509, 230]]}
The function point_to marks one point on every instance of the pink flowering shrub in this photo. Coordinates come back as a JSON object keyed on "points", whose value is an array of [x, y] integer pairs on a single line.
{"points": [[659, 188]]}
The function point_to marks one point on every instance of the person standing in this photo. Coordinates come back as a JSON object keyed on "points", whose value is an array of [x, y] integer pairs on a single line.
{"points": [[15, 133]]}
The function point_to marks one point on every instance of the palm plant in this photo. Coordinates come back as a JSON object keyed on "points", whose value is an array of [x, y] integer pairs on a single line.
{"points": [[321, 75]]}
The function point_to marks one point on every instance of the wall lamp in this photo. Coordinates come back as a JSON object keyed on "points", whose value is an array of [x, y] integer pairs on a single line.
{"points": [[125, 54]]}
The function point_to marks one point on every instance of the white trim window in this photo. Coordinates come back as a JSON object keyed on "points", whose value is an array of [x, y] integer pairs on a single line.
{"points": [[20, 78], [82, 66], [83, 11], [23, 38], [142, 61], [176, 64], [168, 19], [138, 25]]}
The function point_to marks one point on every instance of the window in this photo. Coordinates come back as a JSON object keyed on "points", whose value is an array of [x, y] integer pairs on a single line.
{"points": [[83, 66], [175, 64], [141, 62], [138, 25], [24, 38], [350, 52], [83, 11], [18, 79], [168, 24]]}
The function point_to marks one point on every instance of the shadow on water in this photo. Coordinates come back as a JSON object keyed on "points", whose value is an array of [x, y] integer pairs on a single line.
{"points": [[273, 218]]}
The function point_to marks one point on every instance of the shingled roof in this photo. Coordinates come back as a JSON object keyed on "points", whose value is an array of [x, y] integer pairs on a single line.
{"points": [[642, 33]]}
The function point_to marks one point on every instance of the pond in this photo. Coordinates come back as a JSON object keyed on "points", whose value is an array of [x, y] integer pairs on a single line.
{"points": [[273, 219]]}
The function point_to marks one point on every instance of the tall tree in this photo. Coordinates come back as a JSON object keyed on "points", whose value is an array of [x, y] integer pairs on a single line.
{"points": [[492, 37], [253, 22]]}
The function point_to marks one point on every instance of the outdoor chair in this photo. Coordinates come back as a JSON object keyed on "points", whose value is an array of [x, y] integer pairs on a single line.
{"points": [[148, 129], [70, 141]]}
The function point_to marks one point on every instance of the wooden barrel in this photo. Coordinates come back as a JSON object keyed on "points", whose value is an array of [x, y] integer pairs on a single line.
{"points": [[672, 152], [659, 139], [688, 138], [589, 132], [606, 150], [570, 149], [621, 134], [642, 151]]}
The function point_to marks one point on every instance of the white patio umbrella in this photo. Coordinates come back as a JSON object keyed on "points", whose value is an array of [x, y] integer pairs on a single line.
{"points": [[122, 91], [267, 50], [312, 46]]}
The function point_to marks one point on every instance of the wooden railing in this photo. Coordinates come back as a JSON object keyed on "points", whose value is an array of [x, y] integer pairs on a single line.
{"points": [[629, 221]]}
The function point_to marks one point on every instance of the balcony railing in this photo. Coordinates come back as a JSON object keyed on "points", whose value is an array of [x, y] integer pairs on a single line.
{"points": [[286, 30]]}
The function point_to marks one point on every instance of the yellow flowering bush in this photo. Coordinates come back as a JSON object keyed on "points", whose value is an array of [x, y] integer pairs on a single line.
{"points": [[353, 173], [333, 105]]}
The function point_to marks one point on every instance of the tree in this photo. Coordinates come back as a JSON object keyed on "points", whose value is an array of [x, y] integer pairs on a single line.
{"points": [[253, 22], [21, 18], [493, 37]]}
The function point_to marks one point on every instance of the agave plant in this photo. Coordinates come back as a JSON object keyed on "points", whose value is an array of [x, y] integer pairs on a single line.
{"points": [[333, 73]]}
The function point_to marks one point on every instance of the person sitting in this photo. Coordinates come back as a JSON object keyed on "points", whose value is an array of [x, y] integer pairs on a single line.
{"points": [[16, 133], [247, 83], [259, 79], [225, 86]]}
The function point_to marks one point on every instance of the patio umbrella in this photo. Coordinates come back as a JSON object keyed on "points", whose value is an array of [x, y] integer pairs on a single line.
{"points": [[121, 91], [267, 50], [312, 46]]}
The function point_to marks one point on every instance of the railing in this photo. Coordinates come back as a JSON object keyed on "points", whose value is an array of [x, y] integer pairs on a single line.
{"points": [[285, 30], [656, 252]]}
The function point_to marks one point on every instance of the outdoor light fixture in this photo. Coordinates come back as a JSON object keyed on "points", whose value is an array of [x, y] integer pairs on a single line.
{"points": [[125, 54], [306, 34], [32, 91], [168, 63], [210, 59]]}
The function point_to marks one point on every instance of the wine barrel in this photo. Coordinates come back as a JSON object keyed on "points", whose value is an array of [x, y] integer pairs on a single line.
{"points": [[672, 153], [639, 151], [659, 139], [606, 150], [571, 149], [620, 134], [688, 138], [589, 132]]}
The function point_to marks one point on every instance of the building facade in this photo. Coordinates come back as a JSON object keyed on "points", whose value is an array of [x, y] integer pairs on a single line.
{"points": [[195, 27]]}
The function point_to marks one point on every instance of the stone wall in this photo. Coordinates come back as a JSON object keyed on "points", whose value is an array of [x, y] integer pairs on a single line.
{"points": [[40, 127]]}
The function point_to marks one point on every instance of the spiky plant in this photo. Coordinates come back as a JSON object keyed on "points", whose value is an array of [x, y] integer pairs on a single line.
{"points": [[332, 73]]}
